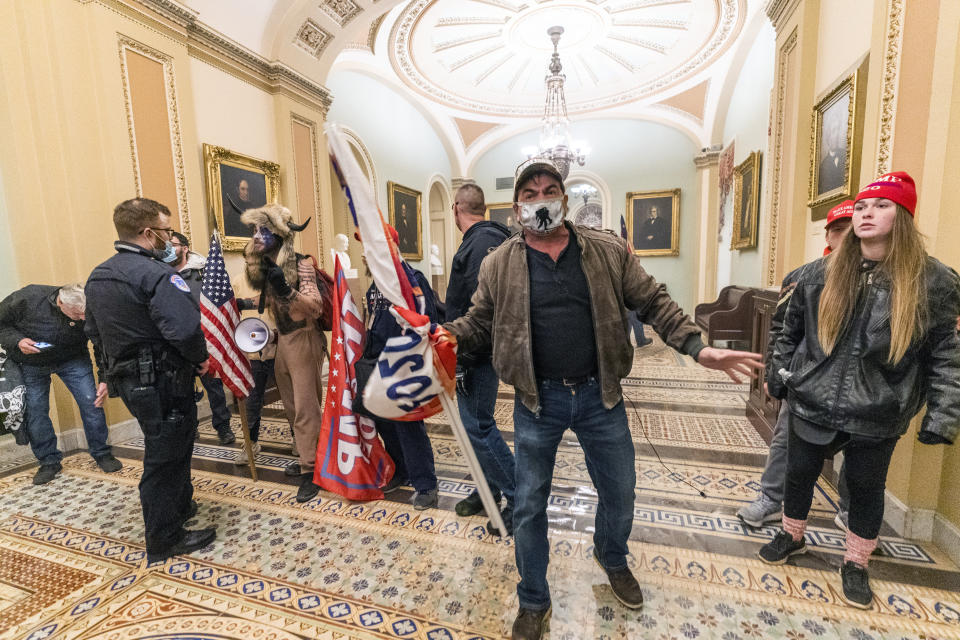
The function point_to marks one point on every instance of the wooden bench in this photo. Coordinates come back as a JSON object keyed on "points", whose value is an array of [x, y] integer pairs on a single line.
{"points": [[729, 317]]}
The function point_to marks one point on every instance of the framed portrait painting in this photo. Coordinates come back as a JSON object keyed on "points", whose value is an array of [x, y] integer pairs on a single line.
{"points": [[746, 202], [653, 222], [405, 216], [835, 141], [235, 183], [502, 212]]}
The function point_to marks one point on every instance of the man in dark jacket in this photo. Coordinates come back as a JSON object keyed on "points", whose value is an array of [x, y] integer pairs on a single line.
{"points": [[190, 265], [149, 345], [41, 327], [477, 382]]}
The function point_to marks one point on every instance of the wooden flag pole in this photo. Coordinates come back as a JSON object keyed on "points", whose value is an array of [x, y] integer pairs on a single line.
{"points": [[245, 428]]}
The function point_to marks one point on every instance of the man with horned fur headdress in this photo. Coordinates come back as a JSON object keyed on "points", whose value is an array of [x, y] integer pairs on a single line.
{"points": [[297, 298]]}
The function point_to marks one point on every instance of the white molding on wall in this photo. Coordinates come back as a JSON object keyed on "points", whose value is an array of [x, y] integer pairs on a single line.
{"points": [[74, 439], [946, 535], [908, 522]]}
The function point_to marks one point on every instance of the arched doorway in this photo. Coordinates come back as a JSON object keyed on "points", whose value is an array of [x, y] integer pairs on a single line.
{"points": [[441, 236]]}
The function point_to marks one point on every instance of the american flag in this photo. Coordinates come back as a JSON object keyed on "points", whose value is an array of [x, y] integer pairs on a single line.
{"points": [[218, 318]]}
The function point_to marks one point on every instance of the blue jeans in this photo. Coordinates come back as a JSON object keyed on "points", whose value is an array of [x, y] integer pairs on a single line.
{"points": [[218, 403], [608, 450], [476, 410], [77, 375], [408, 445]]}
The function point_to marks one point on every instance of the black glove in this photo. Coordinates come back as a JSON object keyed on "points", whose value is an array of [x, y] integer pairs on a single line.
{"points": [[274, 275], [245, 304], [463, 379], [929, 437]]}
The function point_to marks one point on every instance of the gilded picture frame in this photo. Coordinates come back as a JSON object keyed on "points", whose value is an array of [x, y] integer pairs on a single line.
{"points": [[407, 218], [235, 183], [746, 202], [653, 222], [836, 137], [503, 213]]}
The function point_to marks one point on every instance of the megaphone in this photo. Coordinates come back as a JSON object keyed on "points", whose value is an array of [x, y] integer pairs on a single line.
{"points": [[252, 335]]}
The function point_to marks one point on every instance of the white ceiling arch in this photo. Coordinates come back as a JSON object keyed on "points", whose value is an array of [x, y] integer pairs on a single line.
{"points": [[667, 61]]}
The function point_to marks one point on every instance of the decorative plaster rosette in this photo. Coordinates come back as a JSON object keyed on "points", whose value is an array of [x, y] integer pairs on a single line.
{"points": [[490, 56]]}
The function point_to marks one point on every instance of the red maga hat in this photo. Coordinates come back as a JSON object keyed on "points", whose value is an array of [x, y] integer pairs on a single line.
{"points": [[897, 186], [842, 211]]}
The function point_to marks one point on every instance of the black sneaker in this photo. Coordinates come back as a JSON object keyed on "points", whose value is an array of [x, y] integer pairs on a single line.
{"points": [[47, 472], [529, 624], [856, 585], [472, 505], [423, 500], [507, 515], [108, 464], [779, 550], [292, 470], [395, 483], [308, 491], [192, 540], [226, 437], [625, 586]]}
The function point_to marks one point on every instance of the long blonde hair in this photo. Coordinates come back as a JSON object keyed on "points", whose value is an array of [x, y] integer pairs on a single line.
{"points": [[905, 267]]}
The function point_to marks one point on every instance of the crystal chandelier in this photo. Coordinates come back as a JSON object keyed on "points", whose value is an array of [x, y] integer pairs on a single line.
{"points": [[555, 143]]}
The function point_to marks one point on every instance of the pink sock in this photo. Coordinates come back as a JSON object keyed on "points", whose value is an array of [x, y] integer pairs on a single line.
{"points": [[794, 527], [859, 549]]}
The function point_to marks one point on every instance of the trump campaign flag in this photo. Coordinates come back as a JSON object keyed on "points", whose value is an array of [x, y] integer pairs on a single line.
{"points": [[413, 369], [351, 460], [218, 319], [414, 376]]}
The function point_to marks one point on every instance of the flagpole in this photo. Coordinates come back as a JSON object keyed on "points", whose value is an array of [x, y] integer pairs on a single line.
{"points": [[486, 496]]}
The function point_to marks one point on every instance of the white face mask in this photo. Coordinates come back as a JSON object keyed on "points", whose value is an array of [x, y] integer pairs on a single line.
{"points": [[542, 216]]}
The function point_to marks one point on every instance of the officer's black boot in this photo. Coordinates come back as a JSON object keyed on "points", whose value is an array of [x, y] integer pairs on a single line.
{"points": [[192, 540]]}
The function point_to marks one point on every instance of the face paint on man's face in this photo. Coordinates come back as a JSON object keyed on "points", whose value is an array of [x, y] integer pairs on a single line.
{"points": [[265, 240]]}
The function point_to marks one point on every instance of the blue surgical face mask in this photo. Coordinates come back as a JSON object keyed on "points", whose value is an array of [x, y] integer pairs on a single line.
{"points": [[168, 254]]}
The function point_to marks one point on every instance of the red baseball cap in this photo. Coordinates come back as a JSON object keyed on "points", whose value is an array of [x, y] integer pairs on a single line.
{"points": [[842, 211], [897, 186]]}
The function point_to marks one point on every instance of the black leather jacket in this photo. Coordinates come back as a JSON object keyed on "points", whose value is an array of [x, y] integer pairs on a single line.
{"points": [[855, 389]]}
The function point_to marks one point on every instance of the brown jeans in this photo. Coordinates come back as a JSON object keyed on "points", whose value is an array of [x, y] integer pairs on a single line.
{"points": [[299, 362]]}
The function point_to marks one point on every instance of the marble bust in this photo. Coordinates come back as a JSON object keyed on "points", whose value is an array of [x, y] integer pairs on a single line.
{"points": [[339, 250]]}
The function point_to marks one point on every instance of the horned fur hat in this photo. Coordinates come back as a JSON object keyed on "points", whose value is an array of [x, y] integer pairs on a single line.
{"points": [[280, 221]]}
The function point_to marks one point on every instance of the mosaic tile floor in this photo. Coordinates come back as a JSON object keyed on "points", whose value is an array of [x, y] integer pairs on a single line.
{"points": [[72, 561]]}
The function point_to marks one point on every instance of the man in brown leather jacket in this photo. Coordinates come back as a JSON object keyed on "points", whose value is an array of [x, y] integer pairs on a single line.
{"points": [[552, 302]]}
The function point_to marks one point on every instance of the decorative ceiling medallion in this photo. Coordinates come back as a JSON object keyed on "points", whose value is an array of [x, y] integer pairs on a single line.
{"points": [[312, 38], [489, 56], [340, 11]]}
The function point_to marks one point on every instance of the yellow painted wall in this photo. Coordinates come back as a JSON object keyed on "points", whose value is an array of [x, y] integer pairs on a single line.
{"points": [[69, 159], [845, 28]]}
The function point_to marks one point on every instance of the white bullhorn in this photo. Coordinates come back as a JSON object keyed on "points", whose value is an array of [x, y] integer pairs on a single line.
{"points": [[252, 335]]}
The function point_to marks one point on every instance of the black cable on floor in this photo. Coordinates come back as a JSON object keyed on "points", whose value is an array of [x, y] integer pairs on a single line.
{"points": [[676, 477]]}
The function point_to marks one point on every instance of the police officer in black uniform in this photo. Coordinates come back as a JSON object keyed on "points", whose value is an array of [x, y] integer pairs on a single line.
{"points": [[146, 325]]}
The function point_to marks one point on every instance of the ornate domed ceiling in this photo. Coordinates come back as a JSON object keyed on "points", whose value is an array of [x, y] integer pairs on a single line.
{"points": [[490, 56]]}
